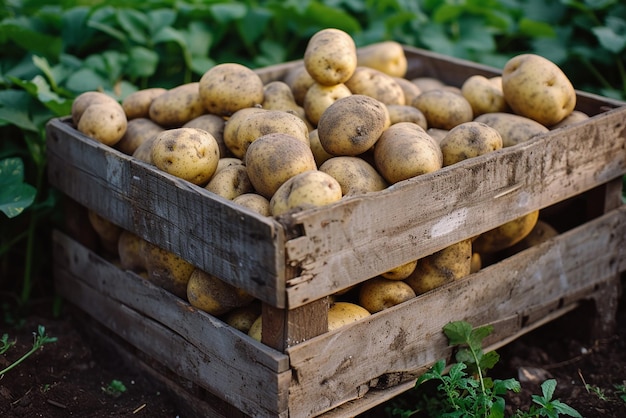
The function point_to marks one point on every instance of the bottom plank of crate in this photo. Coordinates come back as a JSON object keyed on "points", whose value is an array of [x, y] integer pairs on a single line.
{"points": [[362, 364]]}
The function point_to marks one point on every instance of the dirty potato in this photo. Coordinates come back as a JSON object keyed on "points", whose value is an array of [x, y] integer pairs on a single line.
{"points": [[230, 182], [213, 295], [319, 152], [104, 122], [378, 293], [167, 270], [443, 109], [343, 313], [176, 106], [354, 174], [226, 88], [406, 113], [505, 235], [137, 104], [373, 83], [512, 128], [138, 131], [483, 95], [469, 140], [214, 125], [305, 190], [255, 202], [319, 97], [299, 80], [330, 56], [387, 57], [85, 99]]}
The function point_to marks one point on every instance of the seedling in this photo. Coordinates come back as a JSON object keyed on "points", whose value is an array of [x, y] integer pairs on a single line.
{"points": [[620, 391], [115, 388], [599, 392], [548, 407], [40, 339]]}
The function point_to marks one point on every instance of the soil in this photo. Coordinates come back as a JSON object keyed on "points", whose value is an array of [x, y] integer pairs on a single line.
{"points": [[70, 377]]}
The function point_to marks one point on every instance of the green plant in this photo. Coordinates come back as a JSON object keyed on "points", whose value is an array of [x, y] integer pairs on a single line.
{"points": [[40, 339], [548, 407], [620, 391], [115, 388], [598, 391]]}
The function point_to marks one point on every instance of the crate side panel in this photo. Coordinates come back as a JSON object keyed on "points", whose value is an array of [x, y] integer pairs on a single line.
{"points": [[332, 368], [363, 236], [224, 239]]}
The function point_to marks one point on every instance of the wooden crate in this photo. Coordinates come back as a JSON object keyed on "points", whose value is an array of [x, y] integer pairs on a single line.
{"points": [[294, 262]]}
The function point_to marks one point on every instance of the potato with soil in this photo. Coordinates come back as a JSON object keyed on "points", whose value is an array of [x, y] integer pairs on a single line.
{"points": [[243, 317], [575, 117], [354, 175], [144, 151], [319, 97], [299, 80], [305, 190], [537, 88], [229, 87], [255, 202], [469, 140], [138, 131], [387, 57], [352, 125], [330, 57], [443, 109], [277, 95], [446, 265], [513, 128], [376, 84], [405, 150], [274, 158], [230, 182], [103, 120], [484, 95], [319, 152], [406, 113], [410, 89], [189, 153], [541, 232], [107, 232], [131, 252], [177, 106], [400, 272], [213, 295], [214, 125], [378, 293], [505, 235], [137, 104], [167, 270], [343, 313], [86, 99]]}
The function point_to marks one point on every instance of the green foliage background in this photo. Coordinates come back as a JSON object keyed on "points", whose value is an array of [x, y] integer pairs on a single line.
{"points": [[52, 51]]}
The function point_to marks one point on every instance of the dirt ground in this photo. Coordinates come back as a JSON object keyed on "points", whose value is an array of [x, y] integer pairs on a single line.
{"points": [[70, 377]]}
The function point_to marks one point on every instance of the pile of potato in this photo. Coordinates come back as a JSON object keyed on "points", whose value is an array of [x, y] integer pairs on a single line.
{"points": [[343, 122]]}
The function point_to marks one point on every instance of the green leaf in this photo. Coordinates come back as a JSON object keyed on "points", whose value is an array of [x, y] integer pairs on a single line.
{"points": [[86, 79], [143, 62], [15, 195], [330, 17], [227, 12], [134, 24], [500, 387], [253, 25], [14, 107], [610, 39], [23, 32], [547, 388], [488, 360], [159, 19], [563, 408], [533, 28], [39, 88], [458, 332]]}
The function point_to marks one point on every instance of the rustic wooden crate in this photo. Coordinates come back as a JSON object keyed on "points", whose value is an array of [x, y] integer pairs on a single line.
{"points": [[294, 262]]}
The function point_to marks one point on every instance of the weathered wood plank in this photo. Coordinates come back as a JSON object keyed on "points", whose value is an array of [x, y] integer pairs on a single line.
{"points": [[331, 369], [190, 342], [363, 236]]}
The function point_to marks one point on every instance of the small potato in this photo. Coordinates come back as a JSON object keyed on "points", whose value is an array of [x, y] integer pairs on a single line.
{"points": [[411, 90], [227, 162], [443, 109], [446, 265], [231, 129], [277, 95], [242, 317], [400, 272], [85, 99], [214, 125], [304, 191], [214, 296], [537, 88], [483, 95], [256, 329], [352, 125], [137, 104], [405, 150], [330, 56], [428, 83], [299, 80], [177, 106], [167, 270], [354, 175], [379, 293], [319, 152], [437, 134], [144, 151], [189, 153], [344, 313], [468, 140], [387, 57], [318, 98], [104, 122], [274, 158], [376, 84], [230, 182], [226, 88], [255, 202], [574, 117], [406, 113], [138, 130], [541, 232], [108, 232], [130, 251], [513, 128], [505, 235]]}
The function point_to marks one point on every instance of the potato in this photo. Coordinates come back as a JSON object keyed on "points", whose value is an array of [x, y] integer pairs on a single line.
{"points": [[242, 317], [574, 117], [104, 122], [378, 293], [137, 104], [352, 125], [131, 252], [513, 128], [299, 80], [226, 88], [231, 130], [443, 109], [437, 134], [108, 232], [189, 153], [400, 272], [214, 296], [446, 265], [376, 84], [344, 313], [428, 83], [476, 263], [230, 182], [505, 235], [85, 99], [330, 57], [255, 202], [177, 106], [387, 57], [138, 130], [318, 150], [405, 150], [469, 140], [483, 95], [144, 151], [167, 270], [256, 329], [305, 190], [227, 162], [277, 95], [406, 113], [537, 88], [214, 125], [411, 90], [274, 158], [354, 175], [318, 98], [541, 232]]}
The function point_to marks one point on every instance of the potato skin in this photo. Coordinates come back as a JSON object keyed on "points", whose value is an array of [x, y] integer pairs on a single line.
{"points": [[255, 202], [330, 56], [387, 57], [505, 235], [214, 125], [299, 80], [343, 313], [513, 128], [226, 88], [137, 104], [138, 131], [469, 140], [104, 122], [443, 109], [537, 88], [483, 95], [167, 270], [230, 182], [176, 106], [406, 113], [85, 99], [318, 98], [378, 293], [214, 296], [354, 174], [305, 190], [376, 84]]}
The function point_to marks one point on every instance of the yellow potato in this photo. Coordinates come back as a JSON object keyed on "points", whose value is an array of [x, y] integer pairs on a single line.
{"points": [[277, 95], [443, 109], [428, 83], [255, 202], [318, 98], [214, 125], [406, 113], [400, 272], [354, 175], [469, 140], [352, 125], [138, 130], [227, 162], [437, 134], [214, 296], [318, 150], [386, 56], [344, 313], [476, 263], [104, 122], [305, 190], [483, 95], [226, 88], [108, 232], [376, 84], [231, 130], [411, 90], [537, 88], [137, 104], [405, 150], [167, 270], [256, 329], [299, 80], [274, 158], [144, 151], [506, 235], [574, 117], [541, 232], [230, 182], [189, 153], [243, 317], [379, 293], [85, 99], [513, 128], [131, 252], [176, 106], [330, 56]]}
